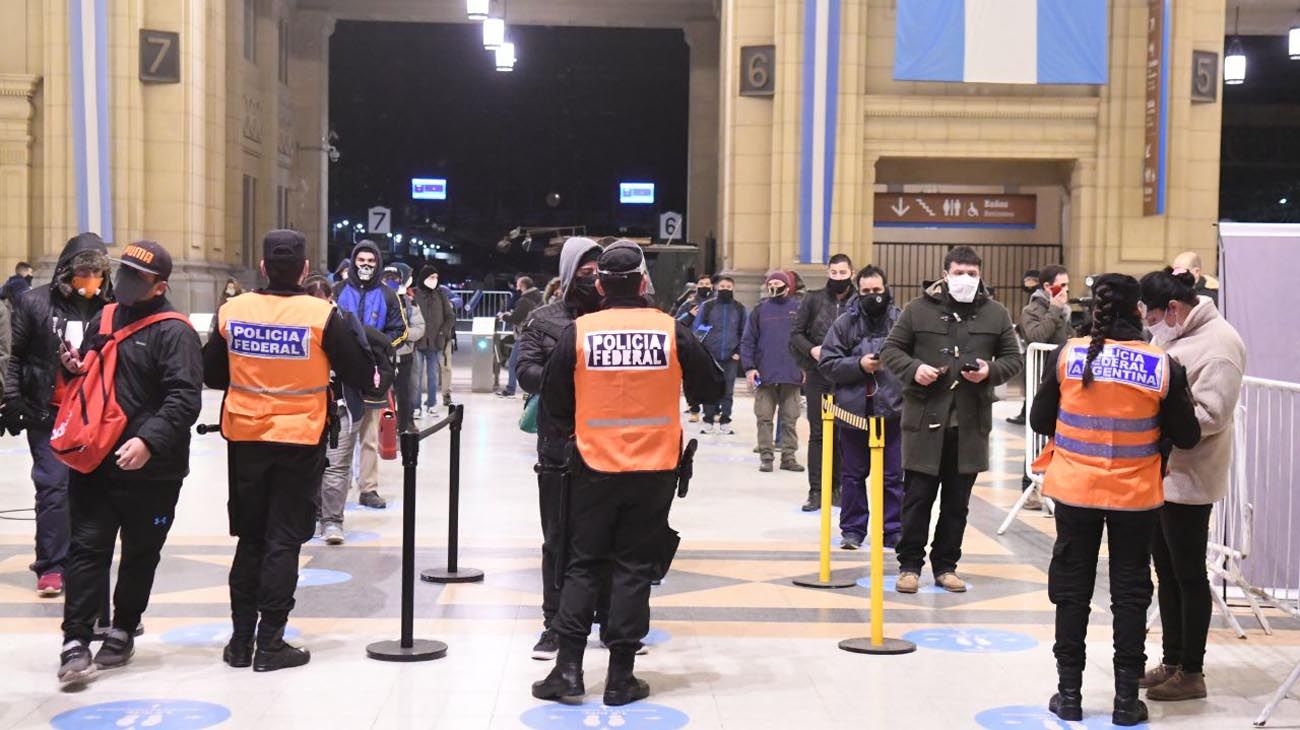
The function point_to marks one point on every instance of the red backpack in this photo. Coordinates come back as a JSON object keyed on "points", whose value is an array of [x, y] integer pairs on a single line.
{"points": [[90, 421]]}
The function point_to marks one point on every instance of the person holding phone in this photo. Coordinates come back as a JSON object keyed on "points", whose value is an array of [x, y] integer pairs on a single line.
{"points": [[1045, 319], [850, 361]]}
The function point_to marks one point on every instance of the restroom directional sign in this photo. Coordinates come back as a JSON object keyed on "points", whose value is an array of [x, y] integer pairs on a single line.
{"points": [[956, 210]]}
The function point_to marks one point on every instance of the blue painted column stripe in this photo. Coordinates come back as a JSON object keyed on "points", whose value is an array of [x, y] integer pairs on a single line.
{"points": [[806, 131], [832, 125], [89, 91]]}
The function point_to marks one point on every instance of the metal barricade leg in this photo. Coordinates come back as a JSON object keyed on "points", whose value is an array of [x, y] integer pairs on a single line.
{"points": [[1222, 605], [1280, 695]]}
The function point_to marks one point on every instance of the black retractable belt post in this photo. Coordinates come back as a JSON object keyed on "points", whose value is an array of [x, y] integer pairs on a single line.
{"points": [[453, 573], [408, 649]]}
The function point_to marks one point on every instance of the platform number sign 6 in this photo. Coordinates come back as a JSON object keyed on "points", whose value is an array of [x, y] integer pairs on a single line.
{"points": [[160, 57], [757, 77]]}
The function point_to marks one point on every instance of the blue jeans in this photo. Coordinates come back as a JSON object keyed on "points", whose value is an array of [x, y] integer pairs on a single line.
{"points": [[730, 369], [53, 529], [427, 366], [513, 378]]}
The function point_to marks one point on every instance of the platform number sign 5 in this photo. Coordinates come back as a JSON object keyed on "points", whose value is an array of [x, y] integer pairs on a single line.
{"points": [[758, 71], [1205, 77], [160, 57], [380, 220]]}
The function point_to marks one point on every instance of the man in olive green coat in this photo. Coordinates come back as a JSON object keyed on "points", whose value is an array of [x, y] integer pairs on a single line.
{"points": [[950, 347]]}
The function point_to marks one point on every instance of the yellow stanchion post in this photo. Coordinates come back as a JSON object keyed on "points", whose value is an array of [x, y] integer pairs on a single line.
{"points": [[828, 456], [877, 643]]}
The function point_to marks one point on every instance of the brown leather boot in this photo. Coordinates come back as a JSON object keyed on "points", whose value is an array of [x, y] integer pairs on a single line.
{"points": [[1181, 686], [1157, 676]]}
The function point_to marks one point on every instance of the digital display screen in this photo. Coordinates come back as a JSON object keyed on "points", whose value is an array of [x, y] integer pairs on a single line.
{"points": [[427, 188], [636, 193]]}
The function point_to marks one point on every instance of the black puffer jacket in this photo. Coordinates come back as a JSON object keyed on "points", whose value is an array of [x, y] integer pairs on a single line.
{"points": [[159, 383], [853, 335], [29, 382], [817, 312], [536, 343]]}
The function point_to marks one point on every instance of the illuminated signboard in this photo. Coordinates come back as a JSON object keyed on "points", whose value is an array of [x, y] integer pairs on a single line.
{"points": [[423, 188], [636, 193]]}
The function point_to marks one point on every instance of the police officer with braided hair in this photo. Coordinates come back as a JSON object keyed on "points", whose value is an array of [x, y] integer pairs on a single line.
{"points": [[615, 380], [272, 353], [1111, 403]]}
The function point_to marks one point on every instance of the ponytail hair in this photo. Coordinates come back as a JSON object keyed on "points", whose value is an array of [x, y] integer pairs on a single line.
{"points": [[1115, 297], [1159, 288]]}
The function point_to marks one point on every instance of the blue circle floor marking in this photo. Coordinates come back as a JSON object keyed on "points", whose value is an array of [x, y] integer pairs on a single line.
{"points": [[973, 640], [308, 577], [1025, 717], [213, 634], [594, 716], [394, 505], [152, 714], [656, 637], [349, 536]]}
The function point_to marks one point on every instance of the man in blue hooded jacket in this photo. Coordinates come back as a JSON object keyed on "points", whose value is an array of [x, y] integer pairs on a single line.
{"points": [[364, 295]]}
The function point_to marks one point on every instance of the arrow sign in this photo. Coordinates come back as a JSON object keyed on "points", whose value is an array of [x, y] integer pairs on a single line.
{"points": [[928, 210], [900, 208]]}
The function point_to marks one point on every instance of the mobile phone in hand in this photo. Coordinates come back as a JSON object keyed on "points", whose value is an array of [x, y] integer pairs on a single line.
{"points": [[970, 368]]}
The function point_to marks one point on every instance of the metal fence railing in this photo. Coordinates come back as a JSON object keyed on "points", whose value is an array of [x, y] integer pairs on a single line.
{"points": [[480, 303], [908, 264], [1035, 360]]}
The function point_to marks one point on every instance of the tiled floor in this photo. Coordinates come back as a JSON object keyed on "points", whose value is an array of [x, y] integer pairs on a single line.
{"points": [[736, 644]]}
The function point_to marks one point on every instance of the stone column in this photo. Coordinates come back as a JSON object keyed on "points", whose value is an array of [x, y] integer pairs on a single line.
{"points": [[310, 33], [705, 130], [16, 92]]}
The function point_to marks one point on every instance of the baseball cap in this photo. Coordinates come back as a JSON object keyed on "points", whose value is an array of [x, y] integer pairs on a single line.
{"points": [[284, 245], [621, 258], [149, 257]]}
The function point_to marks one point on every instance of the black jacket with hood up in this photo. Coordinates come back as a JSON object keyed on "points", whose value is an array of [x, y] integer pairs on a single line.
{"points": [[37, 313]]}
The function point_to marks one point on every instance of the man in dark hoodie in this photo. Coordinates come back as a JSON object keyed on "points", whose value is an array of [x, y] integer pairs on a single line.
{"points": [[439, 329], [536, 343], [33, 387], [950, 347], [364, 295], [159, 381], [20, 282]]}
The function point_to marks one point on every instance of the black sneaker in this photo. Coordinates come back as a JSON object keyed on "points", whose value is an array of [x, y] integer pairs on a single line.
{"points": [[813, 504], [547, 646], [238, 653], [75, 665], [563, 684], [372, 500], [116, 651], [850, 541], [279, 656]]}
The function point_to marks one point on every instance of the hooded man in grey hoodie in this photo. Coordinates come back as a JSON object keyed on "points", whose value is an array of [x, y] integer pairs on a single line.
{"points": [[536, 342]]}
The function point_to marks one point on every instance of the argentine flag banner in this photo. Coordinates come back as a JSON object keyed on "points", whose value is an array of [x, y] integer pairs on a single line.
{"points": [[1002, 41]]}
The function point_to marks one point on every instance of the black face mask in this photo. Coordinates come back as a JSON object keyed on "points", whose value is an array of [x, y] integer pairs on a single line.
{"points": [[837, 286], [129, 288], [726, 296], [874, 305], [28, 278], [704, 292], [582, 294]]}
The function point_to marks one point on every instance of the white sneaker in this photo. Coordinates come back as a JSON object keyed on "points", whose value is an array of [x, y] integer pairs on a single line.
{"points": [[332, 534], [416, 412], [433, 414], [726, 430], [708, 428]]}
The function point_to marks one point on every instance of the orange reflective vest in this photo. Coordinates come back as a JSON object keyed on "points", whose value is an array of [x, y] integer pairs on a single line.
{"points": [[627, 384], [279, 375], [1106, 452]]}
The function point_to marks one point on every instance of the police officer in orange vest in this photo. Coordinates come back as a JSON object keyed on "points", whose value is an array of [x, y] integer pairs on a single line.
{"points": [[1113, 404], [272, 352], [616, 378]]}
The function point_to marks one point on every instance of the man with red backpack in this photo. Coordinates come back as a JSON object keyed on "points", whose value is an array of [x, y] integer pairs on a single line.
{"points": [[157, 378]]}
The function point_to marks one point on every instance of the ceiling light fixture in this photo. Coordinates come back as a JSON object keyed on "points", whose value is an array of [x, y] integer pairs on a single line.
{"points": [[1234, 63], [477, 9], [494, 33]]}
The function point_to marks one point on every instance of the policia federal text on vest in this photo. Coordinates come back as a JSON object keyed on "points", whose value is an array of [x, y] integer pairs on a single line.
{"points": [[272, 353], [616, 377]]}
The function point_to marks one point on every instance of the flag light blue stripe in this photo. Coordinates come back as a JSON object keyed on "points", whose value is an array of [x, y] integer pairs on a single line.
{"points": [[930, 40], [105, 201], [1163, 168], [806, 132], [76, 42], [1072, 42], [832, 123]]}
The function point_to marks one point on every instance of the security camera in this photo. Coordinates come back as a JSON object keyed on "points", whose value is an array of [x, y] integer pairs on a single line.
{"points": [[333, 152]]}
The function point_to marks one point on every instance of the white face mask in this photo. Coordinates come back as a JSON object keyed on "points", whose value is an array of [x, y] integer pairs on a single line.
{"points": [[366, 272], [963, 288], [1163, 333], [431, 282]]}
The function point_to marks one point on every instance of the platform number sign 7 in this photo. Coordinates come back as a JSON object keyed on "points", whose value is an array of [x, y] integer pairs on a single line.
{"points": [[380, 220], [160, 57]]}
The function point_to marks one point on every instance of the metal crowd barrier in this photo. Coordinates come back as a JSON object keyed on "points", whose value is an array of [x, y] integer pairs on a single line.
{"points": [[1258, 518], [1035, 360], [481, 303]]}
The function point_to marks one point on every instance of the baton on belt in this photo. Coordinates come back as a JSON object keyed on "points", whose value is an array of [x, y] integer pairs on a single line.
{"points": [[686, 468], [566, 480]]}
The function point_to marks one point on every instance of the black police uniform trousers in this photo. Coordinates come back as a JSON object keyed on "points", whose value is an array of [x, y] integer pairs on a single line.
{"points": [[622, 520], [1073, 574], [101, 507], [550, 495], [274, 495]]}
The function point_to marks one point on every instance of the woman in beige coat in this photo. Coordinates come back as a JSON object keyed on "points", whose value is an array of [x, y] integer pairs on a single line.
{"points": [[1193, 332]]}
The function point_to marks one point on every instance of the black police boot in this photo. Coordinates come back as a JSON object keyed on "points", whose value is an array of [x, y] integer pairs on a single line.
{"points": [[1129, 710], [272, 653], [1067, 703], [814, 502], [621, 686], [238, 652], [564, 683], [116, 651]]}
